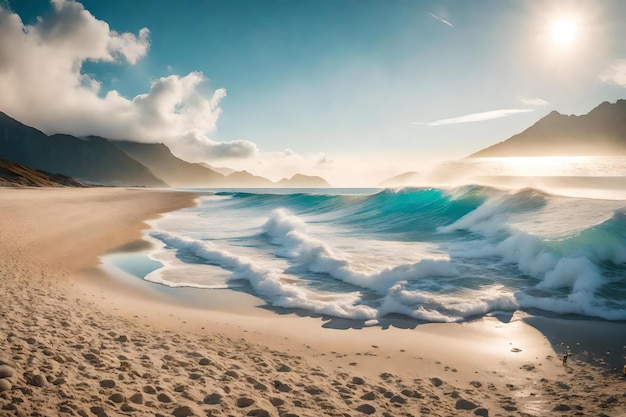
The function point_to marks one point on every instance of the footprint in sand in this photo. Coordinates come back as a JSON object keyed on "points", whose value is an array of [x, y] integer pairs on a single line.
{"points": [[136, 398], [366, 409], [244, 402], [369, 396], [117, 398], [164, 398], [212, 399], [436, 381], [476, 384]]}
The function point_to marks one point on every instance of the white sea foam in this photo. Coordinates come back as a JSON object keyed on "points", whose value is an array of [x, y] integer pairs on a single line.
{"points": [[556, 264], [339, 266], [268, 283], [290, 232], [396, 299], [448, 308]]}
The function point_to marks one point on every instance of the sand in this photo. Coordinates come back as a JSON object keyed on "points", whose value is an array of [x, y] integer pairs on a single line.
{"points": [[79, 341]]}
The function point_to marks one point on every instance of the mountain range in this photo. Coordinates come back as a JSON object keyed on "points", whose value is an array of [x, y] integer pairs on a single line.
{"points": [[101, 161]]}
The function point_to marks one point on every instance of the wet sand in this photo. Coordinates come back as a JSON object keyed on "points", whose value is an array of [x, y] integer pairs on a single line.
{"points": [[78, 340]]}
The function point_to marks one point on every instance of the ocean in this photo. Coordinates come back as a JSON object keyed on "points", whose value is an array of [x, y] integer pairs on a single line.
{"points": [[430, 254]]}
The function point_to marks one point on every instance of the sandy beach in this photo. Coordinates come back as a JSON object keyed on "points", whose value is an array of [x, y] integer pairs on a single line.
{"points": [[78, 341]]}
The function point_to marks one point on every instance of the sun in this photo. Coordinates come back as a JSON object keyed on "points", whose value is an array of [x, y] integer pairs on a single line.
{"points": [[565, 31]]}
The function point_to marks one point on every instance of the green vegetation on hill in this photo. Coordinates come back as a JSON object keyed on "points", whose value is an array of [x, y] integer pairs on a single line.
{"points": [[13, 174]]}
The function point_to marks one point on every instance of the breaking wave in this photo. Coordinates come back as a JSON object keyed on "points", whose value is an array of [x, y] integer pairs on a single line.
{"points": [[431, 254]]}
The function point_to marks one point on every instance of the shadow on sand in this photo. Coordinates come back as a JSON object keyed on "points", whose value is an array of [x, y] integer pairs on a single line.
{"points": [[598, 342]]}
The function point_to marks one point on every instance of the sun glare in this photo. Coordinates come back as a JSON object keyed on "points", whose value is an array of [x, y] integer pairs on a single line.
{"points": [[565, 31]]}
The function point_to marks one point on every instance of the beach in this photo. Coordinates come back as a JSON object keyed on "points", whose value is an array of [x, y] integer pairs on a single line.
{"points": [[77, 340]]}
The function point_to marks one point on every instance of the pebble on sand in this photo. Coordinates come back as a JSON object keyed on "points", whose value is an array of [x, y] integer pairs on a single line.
{"points": [[357, 380], [6, 371], [164, 398], [258, 412], [107, 383], [136, 398], [482, 412], [5, 385], [463, 404], [436, 381], [244, 402], [38, 380], [214, 398], [183, 411], [127, 408], [366, 409], [117, 398], [284, 368]]}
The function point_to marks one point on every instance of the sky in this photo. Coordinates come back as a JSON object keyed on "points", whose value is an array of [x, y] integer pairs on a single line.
{"points": [[352, 90]]}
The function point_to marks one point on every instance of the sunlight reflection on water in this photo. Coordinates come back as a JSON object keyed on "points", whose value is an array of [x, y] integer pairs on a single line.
{"points": [[540, 166], [582, 176]]}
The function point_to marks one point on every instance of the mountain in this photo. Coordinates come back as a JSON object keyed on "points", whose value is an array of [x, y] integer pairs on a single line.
{"points": [[402, 180], [93, 160], [602, 131], [99, 160], [180, 173], [303, 181], [245, 179], [173, 170], [13, 174], [222, 170]]}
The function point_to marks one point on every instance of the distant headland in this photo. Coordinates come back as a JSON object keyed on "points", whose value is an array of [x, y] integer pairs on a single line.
{"points": [[602, 131]]}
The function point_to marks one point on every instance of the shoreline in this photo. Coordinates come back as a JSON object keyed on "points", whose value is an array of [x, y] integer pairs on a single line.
{"points": [[103, 347], [592, 340]]}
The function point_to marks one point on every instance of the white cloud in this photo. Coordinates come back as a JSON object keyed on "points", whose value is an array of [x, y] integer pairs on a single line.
{"points": [[42, 85], [533, 101], [196, 147], [74, 31], [441, 19], [615, 73], [324, 161], [476, 117]]}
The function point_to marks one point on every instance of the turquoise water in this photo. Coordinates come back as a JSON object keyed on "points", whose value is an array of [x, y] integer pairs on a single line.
{"points": [[136, 264], [430, 254]]}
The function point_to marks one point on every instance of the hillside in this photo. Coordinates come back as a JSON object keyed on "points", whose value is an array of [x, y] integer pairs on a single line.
{"points": [[602, 131], [13, 174], [97, 160], [173, 170], [222, 170], [93, 160]]}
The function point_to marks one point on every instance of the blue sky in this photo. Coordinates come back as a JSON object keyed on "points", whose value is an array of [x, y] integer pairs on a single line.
{"points": [[351, 90]]}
